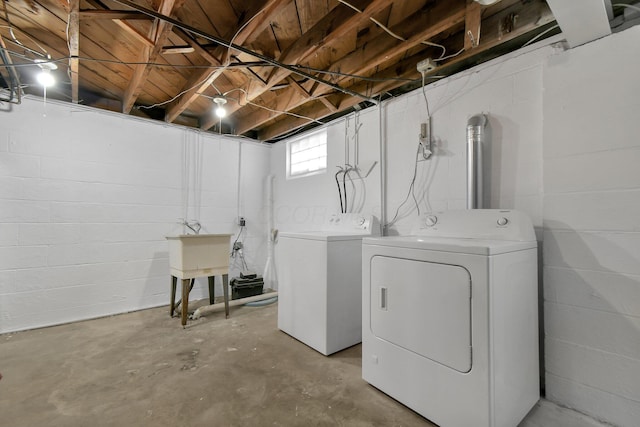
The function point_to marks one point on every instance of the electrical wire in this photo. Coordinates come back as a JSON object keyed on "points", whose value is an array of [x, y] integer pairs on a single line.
{"points": [[158, 104], [424, 93], [13, 36], [399, 37], [540, 35], [453, 55], [409, 193], [355, 76]]}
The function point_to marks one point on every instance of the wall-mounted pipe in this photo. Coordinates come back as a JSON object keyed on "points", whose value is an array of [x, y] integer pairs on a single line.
{"points": [[476, 136]]}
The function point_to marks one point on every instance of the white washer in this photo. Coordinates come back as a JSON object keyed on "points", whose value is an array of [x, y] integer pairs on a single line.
{"points": [[450, 317], [320, 282]]}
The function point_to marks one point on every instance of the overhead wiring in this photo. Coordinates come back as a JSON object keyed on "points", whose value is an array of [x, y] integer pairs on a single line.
{"points": [[396, 36], [541, 35], [15, 39], [242, 49]]}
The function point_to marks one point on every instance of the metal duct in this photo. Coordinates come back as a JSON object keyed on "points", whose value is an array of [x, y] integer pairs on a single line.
{"points": [[475, 140]]}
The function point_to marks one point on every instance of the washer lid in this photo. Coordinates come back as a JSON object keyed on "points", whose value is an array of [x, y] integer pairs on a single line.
{"points": [[321, 235], [456, 245]]}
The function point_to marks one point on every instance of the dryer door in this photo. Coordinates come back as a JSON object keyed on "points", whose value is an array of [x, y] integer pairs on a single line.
{"points": [[423, 307]]}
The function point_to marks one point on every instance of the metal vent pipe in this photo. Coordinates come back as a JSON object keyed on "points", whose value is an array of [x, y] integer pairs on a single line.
{"points": [[475, 140]]}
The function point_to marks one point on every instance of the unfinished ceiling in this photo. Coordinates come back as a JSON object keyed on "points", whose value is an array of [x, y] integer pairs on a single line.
{"points": [[280, 65]]}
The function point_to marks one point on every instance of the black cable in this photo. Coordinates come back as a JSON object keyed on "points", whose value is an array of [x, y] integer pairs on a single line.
{"points": [[339, 191], [344, 187]]}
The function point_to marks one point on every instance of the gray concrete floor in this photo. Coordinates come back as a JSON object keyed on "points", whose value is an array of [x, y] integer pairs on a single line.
{"points": [[142, 369]]}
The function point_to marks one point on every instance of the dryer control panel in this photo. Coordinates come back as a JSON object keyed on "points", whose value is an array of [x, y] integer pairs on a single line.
{"points": [[490, 224], [352, 222]]}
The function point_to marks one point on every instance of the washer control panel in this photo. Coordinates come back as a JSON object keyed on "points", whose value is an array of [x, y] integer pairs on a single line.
{"points": [[349, 222], [493, 224]]}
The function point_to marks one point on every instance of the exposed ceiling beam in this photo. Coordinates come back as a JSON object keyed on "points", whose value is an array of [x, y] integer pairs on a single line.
{"points": [[473, 21], [112, 14], [159, 33], [256, 20], [173, 50], [583, 21], [74, 46], [103, 8], [529, 19], [338, 22], [423, 26], [403, 70]]}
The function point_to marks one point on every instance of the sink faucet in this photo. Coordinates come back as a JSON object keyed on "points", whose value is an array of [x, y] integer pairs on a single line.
{"points": [[193, 225]]}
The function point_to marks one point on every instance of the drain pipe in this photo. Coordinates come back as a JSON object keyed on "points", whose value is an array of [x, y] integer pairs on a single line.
{"points": [[233, 303], [383, 173], [475, 141]]}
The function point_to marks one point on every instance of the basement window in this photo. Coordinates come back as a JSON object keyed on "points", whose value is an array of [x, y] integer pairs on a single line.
{"points": [[308, 155]]}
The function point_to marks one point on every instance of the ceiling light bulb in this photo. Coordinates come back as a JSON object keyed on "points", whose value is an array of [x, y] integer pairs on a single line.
{"points": [[45, 78], [220, 101]]}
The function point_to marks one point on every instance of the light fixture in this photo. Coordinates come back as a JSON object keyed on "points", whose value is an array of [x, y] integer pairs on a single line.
{"points": [[45, 77], [220, 101], [487, 2]]}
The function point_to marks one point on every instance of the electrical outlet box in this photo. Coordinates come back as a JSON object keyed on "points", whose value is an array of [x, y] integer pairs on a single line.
{"points": [[426, 65], [242, 222]]}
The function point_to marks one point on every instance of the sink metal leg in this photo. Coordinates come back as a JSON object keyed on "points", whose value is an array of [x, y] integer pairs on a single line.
{"points": [[225, 286], [185, 301], [172, 305]]}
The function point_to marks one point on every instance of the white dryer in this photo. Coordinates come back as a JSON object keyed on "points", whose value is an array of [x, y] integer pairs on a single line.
{"points": [[320, 282], [450, 317]]}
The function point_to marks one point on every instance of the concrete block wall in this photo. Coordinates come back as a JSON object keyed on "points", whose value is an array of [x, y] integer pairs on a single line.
{"points": [[591, 222], [508, 92], [86, 200]]}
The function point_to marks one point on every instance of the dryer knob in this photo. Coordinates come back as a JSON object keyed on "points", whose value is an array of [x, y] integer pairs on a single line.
{"points": [[503, 221], [431, 220], [360, 221]]}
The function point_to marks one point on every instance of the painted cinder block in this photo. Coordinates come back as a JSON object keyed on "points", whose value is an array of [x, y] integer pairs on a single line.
{"points": [[593, 368], [597, 403], [597, 290]]}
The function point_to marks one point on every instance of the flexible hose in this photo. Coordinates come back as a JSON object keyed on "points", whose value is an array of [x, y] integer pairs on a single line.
{"points": [[339, 191]]}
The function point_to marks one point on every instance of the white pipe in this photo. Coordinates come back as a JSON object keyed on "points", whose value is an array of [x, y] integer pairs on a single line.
{"points": [[383, 173], [269, 274], [241, 301]]}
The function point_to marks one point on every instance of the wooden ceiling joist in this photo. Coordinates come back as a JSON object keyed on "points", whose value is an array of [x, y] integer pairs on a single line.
{"points": [[529, 19], [334, 25], [379, 50], [256, 20], [112, 14], [159, 33], [74, 47]]}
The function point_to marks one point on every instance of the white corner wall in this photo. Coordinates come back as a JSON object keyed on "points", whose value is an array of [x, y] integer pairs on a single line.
{"points": [[87, 198], [592, 224]]}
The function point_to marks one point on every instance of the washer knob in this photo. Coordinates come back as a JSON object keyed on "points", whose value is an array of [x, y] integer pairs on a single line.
{"points": [[361, 221], [503, 221], [431, 220]]}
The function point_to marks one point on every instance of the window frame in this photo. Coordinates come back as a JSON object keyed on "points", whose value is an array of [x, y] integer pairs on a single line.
{"points": [[291, 143]]}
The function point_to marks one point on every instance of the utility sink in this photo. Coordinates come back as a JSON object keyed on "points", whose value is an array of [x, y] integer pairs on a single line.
{"points": [[197, 255]]}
